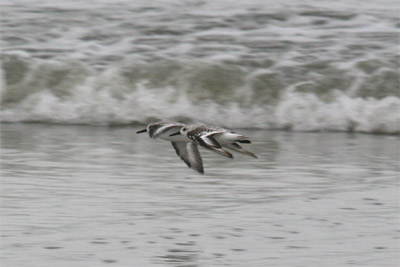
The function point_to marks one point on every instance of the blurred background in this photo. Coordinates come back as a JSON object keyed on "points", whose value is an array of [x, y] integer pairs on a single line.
{"points": [[309, 65], [313, 83]]}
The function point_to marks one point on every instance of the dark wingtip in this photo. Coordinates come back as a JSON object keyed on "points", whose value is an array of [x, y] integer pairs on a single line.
{"points": [[142, 131], [229, 155], [199, 170], [245, 141]]}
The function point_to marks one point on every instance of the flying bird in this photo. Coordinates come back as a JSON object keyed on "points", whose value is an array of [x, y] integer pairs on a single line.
{"points": [[184, 147], [215, 139]]}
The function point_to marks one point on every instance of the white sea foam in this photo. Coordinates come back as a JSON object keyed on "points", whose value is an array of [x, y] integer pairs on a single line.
{"points": [[96, 103], [263, 64]]}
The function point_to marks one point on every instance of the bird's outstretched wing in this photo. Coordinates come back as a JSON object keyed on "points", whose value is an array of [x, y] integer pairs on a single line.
{"points": [[189, 153]]}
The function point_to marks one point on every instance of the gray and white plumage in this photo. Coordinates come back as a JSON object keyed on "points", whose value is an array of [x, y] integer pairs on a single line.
{"points": [[216, 139], [163, 130], [184, 147], [189, 153]]}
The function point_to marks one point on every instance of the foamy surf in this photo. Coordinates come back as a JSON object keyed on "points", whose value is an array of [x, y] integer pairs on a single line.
{"points": [[295, 111], [248, 65]]}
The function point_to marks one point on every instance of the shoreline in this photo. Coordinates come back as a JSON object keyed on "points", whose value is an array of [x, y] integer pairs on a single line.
{"points": [[140, 124]]}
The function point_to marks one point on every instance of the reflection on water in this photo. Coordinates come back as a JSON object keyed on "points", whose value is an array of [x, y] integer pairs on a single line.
{"points": [[88, 196]]}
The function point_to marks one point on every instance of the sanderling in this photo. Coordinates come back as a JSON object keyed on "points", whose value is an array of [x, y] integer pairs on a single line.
{"points": [[184, 147], [215, 138]]}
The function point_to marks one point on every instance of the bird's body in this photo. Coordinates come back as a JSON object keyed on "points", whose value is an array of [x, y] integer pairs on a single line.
{"points": [[164, 129], [222, 136], [216, 139], [184, 147]]}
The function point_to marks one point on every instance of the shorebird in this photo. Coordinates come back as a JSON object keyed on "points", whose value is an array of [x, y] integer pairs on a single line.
{"points": [[215, 139], [184, 147]]}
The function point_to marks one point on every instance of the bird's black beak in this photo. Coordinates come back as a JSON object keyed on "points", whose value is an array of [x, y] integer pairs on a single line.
{"points": [[177, 133], [142, 131]]}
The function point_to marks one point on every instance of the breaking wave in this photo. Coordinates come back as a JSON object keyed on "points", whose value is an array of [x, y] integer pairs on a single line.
{"points": [[311, 69]]}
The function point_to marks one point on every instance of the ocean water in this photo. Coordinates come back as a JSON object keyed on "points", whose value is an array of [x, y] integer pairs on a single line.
{"points": [[314, 84], [298, 65], [105, 196]]}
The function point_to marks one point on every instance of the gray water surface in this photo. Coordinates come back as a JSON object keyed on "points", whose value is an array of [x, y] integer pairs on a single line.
{"points": [[94, 196]]}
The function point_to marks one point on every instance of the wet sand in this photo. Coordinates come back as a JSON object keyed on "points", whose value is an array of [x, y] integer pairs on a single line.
{"points": [[94, 196]]}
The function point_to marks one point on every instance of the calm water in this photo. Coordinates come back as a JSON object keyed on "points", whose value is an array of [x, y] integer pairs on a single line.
{"points": [[94, 196]]}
